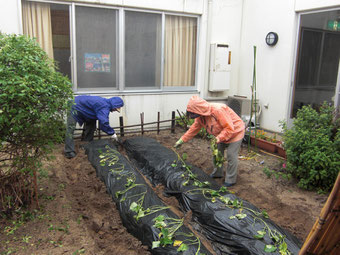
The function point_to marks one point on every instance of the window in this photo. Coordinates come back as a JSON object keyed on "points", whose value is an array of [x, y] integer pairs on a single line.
{"points": [[96, 50], [180, 51], [143, 42], [318, 61], [61, 37], [147, 51], [49, 24]]}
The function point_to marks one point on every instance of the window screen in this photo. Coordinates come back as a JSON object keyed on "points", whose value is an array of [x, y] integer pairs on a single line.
{"points": [[96, 34], [143, 40]]}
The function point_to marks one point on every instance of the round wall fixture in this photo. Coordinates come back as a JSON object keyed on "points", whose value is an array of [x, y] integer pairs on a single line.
{"points": [[272, 38]]}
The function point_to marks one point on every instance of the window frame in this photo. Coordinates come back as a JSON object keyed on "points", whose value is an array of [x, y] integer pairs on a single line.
{"points": [[145, 89], [74, 46], [180, 88], [120, 50], [294, 71]]}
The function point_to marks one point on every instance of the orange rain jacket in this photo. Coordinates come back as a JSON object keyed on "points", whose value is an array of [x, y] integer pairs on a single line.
{"points": [[218, 119]]}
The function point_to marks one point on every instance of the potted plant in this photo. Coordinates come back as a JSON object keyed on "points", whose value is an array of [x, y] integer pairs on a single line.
{"points": [[280, 150], [263, 141]]}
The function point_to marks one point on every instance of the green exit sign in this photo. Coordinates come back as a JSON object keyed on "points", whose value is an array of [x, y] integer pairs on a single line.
{"points": [[333, 25]]}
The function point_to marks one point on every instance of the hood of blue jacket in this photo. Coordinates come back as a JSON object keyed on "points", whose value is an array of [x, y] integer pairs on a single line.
{"points": [[116, 102]]}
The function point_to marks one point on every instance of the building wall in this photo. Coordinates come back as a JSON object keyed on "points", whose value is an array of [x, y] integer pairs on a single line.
{"points": [[226, 22], [273, 63], [242, 24], [304, 5], [10, 16]]}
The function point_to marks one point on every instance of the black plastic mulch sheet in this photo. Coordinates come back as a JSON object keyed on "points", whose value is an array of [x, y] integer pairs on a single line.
{"points": [[230, 231], [127, 186]]}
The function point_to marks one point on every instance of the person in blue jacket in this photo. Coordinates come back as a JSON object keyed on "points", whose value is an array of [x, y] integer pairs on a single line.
{"points": [[87, 110]]}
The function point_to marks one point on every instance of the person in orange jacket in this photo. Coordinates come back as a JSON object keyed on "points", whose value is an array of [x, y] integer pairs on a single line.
{"points": [[222, 122]]}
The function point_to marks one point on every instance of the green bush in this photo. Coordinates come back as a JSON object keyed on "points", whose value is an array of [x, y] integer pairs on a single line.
{"points": [[186, 122], [33, 103], [313, 147]]}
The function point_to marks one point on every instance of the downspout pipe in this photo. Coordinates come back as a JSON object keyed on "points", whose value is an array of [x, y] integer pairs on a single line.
{"points": [[207, 49]]}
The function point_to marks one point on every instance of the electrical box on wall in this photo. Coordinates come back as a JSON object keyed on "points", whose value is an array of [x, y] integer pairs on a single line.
{"points": [[220, 67]]}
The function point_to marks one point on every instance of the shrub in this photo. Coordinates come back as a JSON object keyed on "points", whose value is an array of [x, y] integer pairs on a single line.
{"points": [[33, 102], [185, 122], [313, 147]]}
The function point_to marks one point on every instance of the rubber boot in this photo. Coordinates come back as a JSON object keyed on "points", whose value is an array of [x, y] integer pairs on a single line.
{"points": [[217, 172]]}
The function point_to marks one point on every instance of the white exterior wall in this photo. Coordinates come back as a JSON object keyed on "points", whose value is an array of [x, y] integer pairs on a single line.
{"points": [[303, 5], [10, 17], [226, 21], [150, 105], [273, 64], [241, 24]]}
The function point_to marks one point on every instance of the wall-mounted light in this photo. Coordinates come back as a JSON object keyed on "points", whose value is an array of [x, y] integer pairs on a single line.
{"points": [[272, 38]]}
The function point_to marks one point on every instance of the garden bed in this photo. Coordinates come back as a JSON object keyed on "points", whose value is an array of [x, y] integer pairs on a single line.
{"points": [[79, 217]]}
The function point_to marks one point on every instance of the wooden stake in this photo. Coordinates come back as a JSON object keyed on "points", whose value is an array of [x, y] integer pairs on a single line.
{"points": [[121, 124], [158, 119], [142, 122], [173, 121]]}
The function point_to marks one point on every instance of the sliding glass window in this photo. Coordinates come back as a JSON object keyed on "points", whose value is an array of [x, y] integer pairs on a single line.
{"points": [[143, 44], [96, 48], [180, 51], [146, 51]]}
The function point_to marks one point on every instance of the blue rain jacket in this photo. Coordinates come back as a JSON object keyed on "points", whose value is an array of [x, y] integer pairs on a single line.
{"points": [[87, 108]]}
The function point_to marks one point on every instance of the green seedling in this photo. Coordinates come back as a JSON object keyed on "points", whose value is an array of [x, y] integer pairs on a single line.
{"points": [[81, 251], [57, 244], [26, 239], [168, 232], [188, 175], [218, 158], [79, 219]]}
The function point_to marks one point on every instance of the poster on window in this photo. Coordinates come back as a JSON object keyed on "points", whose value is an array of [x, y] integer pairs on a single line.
{"points": [[97, 62]]}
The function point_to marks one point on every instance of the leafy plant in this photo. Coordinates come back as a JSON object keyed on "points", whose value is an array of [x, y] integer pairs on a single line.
{"points": [[186, 122], [33, 103], [188, 175], [269, 173], [313, 147], [169, 227], [261, 134], [218, 157]]}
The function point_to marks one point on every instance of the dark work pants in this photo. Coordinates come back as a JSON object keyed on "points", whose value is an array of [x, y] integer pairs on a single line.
{"points": [[89, 129], [88, 134]]}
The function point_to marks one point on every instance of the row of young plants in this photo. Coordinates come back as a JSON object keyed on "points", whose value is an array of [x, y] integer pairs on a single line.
{"points": [[241, 211], [142, 212], [223, 217]]}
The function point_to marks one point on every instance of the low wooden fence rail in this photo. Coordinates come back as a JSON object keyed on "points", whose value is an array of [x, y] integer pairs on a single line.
{"points": [[141, 127]]}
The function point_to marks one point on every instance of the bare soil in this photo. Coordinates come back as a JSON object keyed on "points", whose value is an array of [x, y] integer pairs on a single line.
{"points": [[77, 216]]}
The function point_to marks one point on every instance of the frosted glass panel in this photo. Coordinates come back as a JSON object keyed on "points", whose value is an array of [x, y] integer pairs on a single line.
{"points": [[96, 32]]}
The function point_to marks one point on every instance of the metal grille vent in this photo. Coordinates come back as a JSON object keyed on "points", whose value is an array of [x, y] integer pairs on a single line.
{"points": [[235, 105]]}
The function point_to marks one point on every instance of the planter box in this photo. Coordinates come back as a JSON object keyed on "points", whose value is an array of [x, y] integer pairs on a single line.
{"points": [[263, 144], [280, 151]]}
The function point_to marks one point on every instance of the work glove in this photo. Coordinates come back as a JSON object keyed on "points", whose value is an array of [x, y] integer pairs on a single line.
{"points": [[114, 137], [178, 143]]}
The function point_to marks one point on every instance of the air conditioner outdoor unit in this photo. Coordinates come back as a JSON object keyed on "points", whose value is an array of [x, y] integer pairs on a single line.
{"points": [[242, 107]]}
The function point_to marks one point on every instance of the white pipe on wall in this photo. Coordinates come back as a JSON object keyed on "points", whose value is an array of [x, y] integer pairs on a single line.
{"points": [[207, 49]]}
